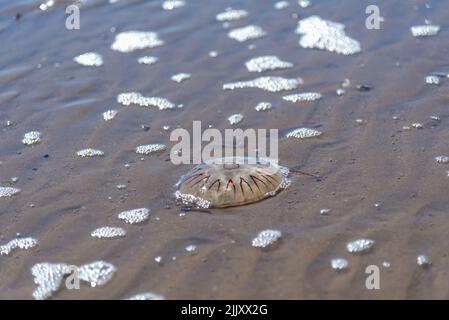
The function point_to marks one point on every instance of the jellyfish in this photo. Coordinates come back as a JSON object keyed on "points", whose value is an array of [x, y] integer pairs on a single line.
{"points": [[229, 182]]}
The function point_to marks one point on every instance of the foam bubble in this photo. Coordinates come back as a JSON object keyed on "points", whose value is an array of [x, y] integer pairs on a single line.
{"points": [[231, 15], [173, 4], [134, 216], [339, 264], [150, 148], [326, 35], [442, 159], [301, 97], [108, 232], [137, 98], [180, 77], [135, 40], [272, 84], [109, 115], [266, 238], [89, 59], [89, 152], [235, 118], [246, 33], [263, 106], [359, 245], [265, 63], [425, 30], [303, 133], [31, 138], [147, 60], [281, 5], [18, 243], [8, 191], [146, 296]]}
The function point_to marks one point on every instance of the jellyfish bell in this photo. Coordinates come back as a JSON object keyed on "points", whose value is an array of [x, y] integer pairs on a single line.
{"points": [[229, 182]]}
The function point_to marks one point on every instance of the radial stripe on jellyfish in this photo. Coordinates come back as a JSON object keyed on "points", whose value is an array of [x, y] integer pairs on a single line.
{"points": [[228, 182]]}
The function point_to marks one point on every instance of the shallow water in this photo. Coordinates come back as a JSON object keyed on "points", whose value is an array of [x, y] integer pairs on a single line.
{"points": [[64, 197]]}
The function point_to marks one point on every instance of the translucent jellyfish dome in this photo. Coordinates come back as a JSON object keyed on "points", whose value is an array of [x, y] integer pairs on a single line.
{"points": [[229, 182]]}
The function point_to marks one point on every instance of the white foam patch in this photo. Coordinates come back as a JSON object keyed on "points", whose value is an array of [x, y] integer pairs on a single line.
{"points": [[150, 148], [134, 216], [49, 276], [271, 84], [303, 133], [281, 5], [137, 98], [180, 77], [425, 30], [109, 115], [235, 118], [326, 35], [301, 97], [89, 152], [108, 232], [442, 159], [147, 296], [32, 137], [89, 59], [246, 33], [339, 264], [135, 40], [149, 60], [266, 238], [231, 15], [265, 63], [173, 4], [8, 191], [263, 106], [18, 243], [360, 245]]}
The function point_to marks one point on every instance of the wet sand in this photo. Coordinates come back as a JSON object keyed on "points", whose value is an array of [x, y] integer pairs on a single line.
{"points": [[64, 198]]}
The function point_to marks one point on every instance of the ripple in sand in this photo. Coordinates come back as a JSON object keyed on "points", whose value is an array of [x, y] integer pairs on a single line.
{"points": [[246, 33], [134, 216], [425, 30], [303, 133], [228, 182], [265, 63], [231, 15], [137, 98], [146, 296], [8, 191], [266, 238], [432, 80], [135, 40], [301, 97], [150, 148], [49, 276], [423, 261], [147, 60], [339, 264], [173, 4], [235, 118], [32, 137], [326, 35], [89, 152], [108, 232], [361, 245], [263, 106], [18, 243], [442, 159], [109, 115], [89, 59], [180, 77], [271, 84]]}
